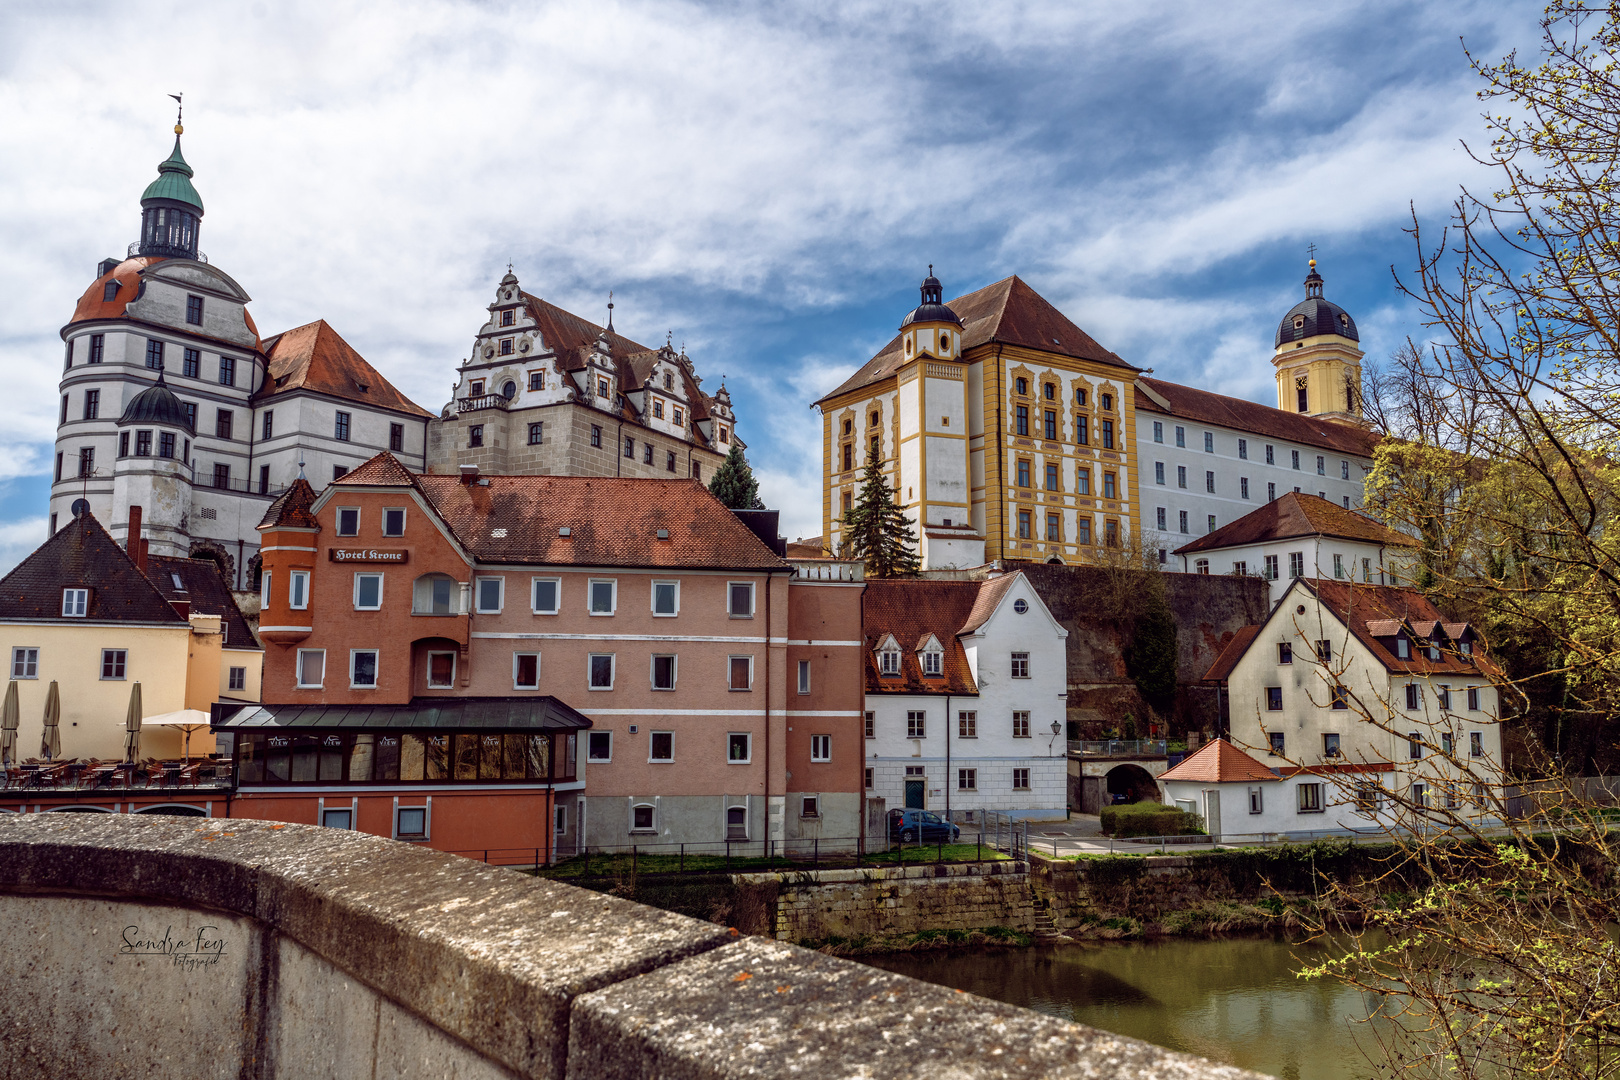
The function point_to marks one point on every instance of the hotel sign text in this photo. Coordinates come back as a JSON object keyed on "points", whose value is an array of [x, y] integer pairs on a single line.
{"points": [[369, 555]]}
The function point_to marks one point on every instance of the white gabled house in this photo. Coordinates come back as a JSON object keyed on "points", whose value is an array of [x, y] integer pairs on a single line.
{"points": [[1354, 693], [965, 698]]}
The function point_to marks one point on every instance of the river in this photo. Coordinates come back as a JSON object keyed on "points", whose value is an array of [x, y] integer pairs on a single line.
{"points": [[1234, 1000]]}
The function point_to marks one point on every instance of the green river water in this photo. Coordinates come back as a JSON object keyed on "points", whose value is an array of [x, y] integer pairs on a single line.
{"points": [[1233, 1000]]}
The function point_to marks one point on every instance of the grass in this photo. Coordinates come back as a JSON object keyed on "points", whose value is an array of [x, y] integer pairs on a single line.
{"points": [[622, 864]]}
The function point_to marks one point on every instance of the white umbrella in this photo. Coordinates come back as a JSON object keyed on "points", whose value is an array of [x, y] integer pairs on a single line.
{"points": [[187, 720]]}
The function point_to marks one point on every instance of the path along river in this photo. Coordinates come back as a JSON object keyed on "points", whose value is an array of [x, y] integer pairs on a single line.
{"points": [[1234, 1000]]}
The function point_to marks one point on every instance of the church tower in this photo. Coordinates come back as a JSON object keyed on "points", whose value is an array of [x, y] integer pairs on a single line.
{"points": [[1318, 358]]}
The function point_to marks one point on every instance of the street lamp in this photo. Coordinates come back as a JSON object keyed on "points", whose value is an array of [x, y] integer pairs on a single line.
{"points": [[1057, 728]]}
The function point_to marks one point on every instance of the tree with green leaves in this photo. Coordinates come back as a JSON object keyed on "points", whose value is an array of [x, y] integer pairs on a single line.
{"points": [[734, 482], [876, 530]]}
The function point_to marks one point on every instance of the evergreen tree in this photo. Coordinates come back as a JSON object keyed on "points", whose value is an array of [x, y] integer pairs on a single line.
{"points": [[1151, 658], [734, 482], [876, 530]]}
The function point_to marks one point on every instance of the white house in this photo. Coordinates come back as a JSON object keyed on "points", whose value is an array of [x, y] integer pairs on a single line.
{"points": [[965, 698], [1302, 535], [1369, 690], [1238, 795]]}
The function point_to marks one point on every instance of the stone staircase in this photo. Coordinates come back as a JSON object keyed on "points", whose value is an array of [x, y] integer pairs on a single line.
{"points": [[1045, 928]]}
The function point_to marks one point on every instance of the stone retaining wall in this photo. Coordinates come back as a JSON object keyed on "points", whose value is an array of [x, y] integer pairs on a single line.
{"points": [[140, 946]]}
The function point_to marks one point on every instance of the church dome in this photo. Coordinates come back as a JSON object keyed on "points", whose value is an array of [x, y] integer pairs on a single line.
{"points": [[932, 309], [157, 404], [174, 182], [1314, 316]]}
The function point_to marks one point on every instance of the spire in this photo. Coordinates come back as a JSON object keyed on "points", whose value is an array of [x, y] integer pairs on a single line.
{"points": [[610, 311], [171, 209], [1313, 280]]}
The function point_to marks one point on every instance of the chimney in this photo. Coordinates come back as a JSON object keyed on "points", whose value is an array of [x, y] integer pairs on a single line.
{"points": [[133, 544], [469, 474]]}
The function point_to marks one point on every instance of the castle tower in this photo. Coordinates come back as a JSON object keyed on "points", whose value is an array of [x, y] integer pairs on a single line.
{"points": [[154, 444], [1318, 358]]}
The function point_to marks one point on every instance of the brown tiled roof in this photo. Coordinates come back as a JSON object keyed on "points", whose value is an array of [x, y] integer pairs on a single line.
{"points": [[291, 508], [1201, 406], [1008, 312], [911, 609], [81, 555], [990, 595], [613, 521], [808, 547], [203, 587], [91, 306], [1297, 514], [1219, 762], [379, 470], [1366, 607], [1221, 669], [314, 357]]}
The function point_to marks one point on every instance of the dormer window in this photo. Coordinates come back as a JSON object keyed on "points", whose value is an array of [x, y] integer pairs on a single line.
{"points": [[74, 603], [888, 656], [109, 292], [1434, 651], [933, 662], [723, 435], [1403, 648], [602, 388], [1299, 322], [1465, 647]]}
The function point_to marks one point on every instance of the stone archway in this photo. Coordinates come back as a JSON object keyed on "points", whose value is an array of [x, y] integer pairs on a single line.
{"points": [[255, 571], [1132, 781], [215, 552]]}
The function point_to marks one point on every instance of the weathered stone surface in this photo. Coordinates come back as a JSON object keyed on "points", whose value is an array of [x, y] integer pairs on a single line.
{"points": [[764, 1009]]}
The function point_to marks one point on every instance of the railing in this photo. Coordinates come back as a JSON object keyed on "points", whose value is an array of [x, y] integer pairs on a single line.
{"points": [[1118, 747], [77, 776], [134, 249], [828, 570], [243, 486], [483, 401], [570, 861]]}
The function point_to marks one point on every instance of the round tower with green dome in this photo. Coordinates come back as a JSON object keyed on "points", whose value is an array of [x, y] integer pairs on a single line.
{"points": [[171, 209]]}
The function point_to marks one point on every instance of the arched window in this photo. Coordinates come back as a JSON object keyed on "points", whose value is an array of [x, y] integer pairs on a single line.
{"points": [[434, 594], [509, 390]]}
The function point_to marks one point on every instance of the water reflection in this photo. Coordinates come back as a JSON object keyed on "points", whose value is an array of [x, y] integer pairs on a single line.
{"points": [[1232, 1000]]}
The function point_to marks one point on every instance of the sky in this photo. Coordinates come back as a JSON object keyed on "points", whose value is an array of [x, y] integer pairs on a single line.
{"points": [[766, 183]]}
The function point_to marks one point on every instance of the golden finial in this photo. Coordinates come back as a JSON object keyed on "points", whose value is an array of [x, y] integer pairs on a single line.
{"points": [[179, 113]]}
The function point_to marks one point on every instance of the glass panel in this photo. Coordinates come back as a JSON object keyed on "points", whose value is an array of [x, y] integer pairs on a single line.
{"points": [[545, 596], [438, 757], [539, 757], [573, 748], [250, 759], [528, 670], [370, 590], [664, 594], [361, 756], [387, 763], [489, 757], [601, 596], [514, 766], [441, 669], [331, 758], [441, 596], [466, 756], [304, 750], [276, 762], [411, 757]]}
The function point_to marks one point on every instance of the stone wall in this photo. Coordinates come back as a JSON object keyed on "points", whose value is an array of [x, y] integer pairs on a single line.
{"points": [[150, 946], [815, 906]]}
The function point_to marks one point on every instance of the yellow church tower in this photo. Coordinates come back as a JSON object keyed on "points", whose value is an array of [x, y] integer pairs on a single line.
{"points": [[1318, 358]]}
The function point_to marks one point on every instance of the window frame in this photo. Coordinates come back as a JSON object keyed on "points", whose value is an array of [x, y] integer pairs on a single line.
{"points": [[674, 671], [653, 737], [479, 581], [731, 587], [1274, 699], [427, 672], [298, 669], [298, 586], [23, 659], [967, 779], [75, 603], [916, 723], [1020, 724], [613, 597], [342, 424], [1025, 786], [517, 657], [802, 680], [821, 748], [731, 672], [652, 598], [591, 757], [1309, 798], [427, 823], [338, 517], [1019, 665], [376, 668], [358, 574], [556, 595], [115, 665], [403, 518], [747, 738], [590, 671]]}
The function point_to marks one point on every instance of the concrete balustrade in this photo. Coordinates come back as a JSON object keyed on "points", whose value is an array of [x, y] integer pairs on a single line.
{"points": [[181, 947]]}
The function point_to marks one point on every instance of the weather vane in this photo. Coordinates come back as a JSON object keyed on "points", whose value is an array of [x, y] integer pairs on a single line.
{"points": [[179, 112]]}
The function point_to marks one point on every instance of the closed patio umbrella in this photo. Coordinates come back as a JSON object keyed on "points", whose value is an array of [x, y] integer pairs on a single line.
{"points": [[50, 742], [10, 714], [132, 724]]}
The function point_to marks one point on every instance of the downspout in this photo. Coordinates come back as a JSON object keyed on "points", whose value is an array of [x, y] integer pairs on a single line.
{"points": [[768, 838], [1001, 476], [618, 451], [947, 760]]}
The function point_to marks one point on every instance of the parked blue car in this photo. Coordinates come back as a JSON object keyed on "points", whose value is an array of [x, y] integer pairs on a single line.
{"points": [[921, 826]]}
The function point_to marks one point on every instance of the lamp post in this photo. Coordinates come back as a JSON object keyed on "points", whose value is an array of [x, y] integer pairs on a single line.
{"points": [[1057, 729]]}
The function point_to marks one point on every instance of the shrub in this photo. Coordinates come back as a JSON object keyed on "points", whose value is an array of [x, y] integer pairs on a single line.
{"points": [[1149, 819]]}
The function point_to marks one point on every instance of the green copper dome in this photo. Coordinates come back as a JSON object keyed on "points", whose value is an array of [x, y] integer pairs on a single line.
{"points": [[174, 182]]}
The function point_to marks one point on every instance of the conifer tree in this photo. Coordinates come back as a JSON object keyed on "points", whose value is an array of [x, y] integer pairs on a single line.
{"points": [[876, 530], [734, 482]]}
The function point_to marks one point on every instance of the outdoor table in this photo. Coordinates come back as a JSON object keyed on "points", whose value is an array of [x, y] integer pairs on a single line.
{"points": [[102, 775]]}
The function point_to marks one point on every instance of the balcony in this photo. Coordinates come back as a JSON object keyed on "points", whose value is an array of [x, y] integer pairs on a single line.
{"points": [[135, 249], [483, 401], [828, 570]]}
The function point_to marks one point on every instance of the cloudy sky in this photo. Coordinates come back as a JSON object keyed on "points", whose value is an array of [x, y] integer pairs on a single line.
{"points": [[766, 182]]}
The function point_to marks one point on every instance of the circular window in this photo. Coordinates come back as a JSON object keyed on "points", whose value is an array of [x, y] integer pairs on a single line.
{"points": [[509, 390], [1020, 605], [489, 351], [1299, 322], [1299, 610]]}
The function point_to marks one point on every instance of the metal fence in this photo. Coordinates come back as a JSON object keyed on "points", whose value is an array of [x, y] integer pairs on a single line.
{"points": [[1118, 747]]}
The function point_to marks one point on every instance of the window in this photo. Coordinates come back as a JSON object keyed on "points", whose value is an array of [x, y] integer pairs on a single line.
{"points": [[1473, 700], [1084, 535], [537, 380], [739, 747], [661, 747], [1158, 431], [87, 461], [1296, 564], [647, 453], [669, 461], [1181, 435], [348, 521], [1051, 476], [1271, 493], [740, 673], [967, 779], [525, 671], [596, 434], [264, 590], [393, 521], [74, 603], [1023, 473], [933, 662], [1020, 665], [867, 776], [604, 596], [506, 346], [1274, 699], [98, 342], [340, 427], [536, 430], [601, 671], [1285, 653], [488, 593], [1270, 571], [1209, 442], [298, 589], [441, 670], [1414, 745], [666, 598], [1082, 430], [602, 389], [821, 748], [227, 374], [641, 818], [1420, 795], [194, 309], [916, 724], [475, 388], [889, 662], [368, 592], [1256, 800], [1321, 465], [1021, 386], [1022, 418], [1445, 743], [663, 672], [1240, 568], [1020, 725], [1049, 424], [967, 724], [238, 678], [1181, 476], [1107, 433], [1181, 521], [154, 354], [92, 404], [1295, 455], [629, 448], [339, 471], [599, 747], [1443, 694], [222, 475], [1109, 482], [363, 669], [546, 592], [1330, 744], [871, 724], [1310, 798], [191, 414], [1403, 651], [475, 435], [1324, 651], [1052, 526], [396, 438], [1020, 779], [1160, 518], [740, 600], [411, 823], [1476, 744], [311, 668], [1338, 566], [24, 663], [1277, 742], [1201, 566], [809, 806]]}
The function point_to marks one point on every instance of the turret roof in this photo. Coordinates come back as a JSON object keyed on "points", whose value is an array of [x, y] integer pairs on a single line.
{"points": [[174, 181]]}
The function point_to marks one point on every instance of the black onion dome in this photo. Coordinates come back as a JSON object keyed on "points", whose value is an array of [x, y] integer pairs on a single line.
{"points": [[157, 404], [932, 308], [1314, 316]]}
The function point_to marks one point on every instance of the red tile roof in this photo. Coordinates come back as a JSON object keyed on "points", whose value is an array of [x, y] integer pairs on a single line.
{"points": [[990, 595], [382, 470], [313, 357], [1219, 762], [1374, 612], [1009, 312], [91, 306], [291, 508], [203, 587], [911, 609], [1297, 514], [1221, 669], [82, 555], [1201, 406]]}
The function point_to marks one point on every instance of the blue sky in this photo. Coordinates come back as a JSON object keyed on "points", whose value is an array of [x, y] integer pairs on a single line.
{"points": [[768, 183]]}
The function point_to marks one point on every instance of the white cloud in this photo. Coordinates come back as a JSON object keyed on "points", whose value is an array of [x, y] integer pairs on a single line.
{"points": [[18, 539]]}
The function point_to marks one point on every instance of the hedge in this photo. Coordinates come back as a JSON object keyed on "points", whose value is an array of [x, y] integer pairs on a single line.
{"points": [[1156, 820]]}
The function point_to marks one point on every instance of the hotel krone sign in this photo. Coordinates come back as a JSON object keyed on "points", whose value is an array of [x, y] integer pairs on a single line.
{"points": [[368, 555]]}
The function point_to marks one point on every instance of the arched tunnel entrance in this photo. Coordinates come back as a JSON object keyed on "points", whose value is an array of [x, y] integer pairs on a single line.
{"points": [[1133, 782]]}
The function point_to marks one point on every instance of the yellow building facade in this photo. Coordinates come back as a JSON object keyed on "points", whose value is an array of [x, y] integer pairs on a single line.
{"points": [[1004, 429]]}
